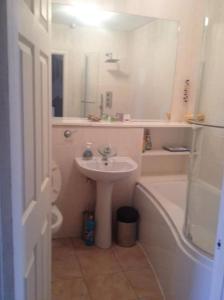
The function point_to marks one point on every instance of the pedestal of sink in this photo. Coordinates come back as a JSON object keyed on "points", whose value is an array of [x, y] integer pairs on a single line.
{"points": [[103, 214], [105, 173]]}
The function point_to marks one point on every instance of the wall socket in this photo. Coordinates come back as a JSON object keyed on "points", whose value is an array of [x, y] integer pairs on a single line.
{"points": [[109, 99]]}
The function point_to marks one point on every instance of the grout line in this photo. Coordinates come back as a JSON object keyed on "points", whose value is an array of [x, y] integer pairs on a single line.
{"points": [[150, 267], [153, 270], [81, 270], [121, 271], [124, 273], [129, 282], [133, 268], [113, 254], [108, 274]]}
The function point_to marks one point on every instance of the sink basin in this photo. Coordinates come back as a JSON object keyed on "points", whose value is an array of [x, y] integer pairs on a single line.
{"points": [[112, 170], [105, 173]]}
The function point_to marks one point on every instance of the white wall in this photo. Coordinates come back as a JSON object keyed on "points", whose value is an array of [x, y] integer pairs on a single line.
{"points": [[190, 15]]}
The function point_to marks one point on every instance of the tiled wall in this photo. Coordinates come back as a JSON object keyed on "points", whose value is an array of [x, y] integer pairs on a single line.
{"points": [[77, 194]]}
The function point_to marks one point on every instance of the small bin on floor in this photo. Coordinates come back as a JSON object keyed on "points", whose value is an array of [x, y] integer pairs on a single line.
{"points": [[127, 218]]}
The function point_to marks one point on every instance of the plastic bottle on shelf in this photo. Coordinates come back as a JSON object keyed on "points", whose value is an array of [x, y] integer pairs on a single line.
{"points": [[147, 143]]}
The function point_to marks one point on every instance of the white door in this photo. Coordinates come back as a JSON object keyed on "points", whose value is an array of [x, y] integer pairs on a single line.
{"points": [[30, 135], [217, 290]]}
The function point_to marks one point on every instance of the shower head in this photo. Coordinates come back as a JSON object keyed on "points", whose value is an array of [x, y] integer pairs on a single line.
{"points": [[110, 58]]}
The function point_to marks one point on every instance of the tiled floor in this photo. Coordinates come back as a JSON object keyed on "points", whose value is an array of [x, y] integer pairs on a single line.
{"points": [[90, 273]]}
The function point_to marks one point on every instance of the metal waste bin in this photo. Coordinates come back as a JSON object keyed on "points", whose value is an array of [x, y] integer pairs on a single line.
{"points": [[127, 218]]}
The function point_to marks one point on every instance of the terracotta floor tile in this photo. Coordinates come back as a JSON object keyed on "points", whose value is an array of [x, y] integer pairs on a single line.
{"points": [[98, 261], [75, 264], [64, 261], [79, 244], [110, 287], [144, 283], [131, 258], [62, 248], [74, 289], [63, 242]]}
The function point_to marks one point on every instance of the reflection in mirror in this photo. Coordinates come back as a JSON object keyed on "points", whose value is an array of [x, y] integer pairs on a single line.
{"points": [[57, 84], [105, 63]]}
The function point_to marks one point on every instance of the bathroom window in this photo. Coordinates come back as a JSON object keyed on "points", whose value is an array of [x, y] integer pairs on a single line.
{"points": [[57, 84]]}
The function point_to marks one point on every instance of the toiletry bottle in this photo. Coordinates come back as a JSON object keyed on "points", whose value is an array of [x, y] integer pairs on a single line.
{"points": [[90, 230], [85, 216], [147, 140], [88, 154]]}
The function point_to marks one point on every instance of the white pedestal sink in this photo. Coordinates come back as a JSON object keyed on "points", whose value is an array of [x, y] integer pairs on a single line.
{"points": [[105, 173]]}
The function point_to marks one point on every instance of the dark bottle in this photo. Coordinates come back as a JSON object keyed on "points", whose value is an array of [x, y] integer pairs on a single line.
{"points": [[90, 231]]}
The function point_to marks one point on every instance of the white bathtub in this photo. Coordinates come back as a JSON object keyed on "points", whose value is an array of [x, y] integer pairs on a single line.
{"points": [[183, 271]]}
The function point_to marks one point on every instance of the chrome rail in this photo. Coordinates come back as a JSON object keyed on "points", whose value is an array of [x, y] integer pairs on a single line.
{"points": [[206, 124]]}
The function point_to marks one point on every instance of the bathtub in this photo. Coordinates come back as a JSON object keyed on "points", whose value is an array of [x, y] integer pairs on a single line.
{"points": [[184, 272]]}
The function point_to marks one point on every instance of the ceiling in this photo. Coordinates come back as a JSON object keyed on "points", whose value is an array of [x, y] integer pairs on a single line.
{"points": [[68, 15]]}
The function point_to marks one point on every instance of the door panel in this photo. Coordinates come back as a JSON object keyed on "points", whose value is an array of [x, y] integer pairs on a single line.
{"points": [[31, 278], [46, 257], [44, 13], [42, 263], [35, 222], [30, 4], [27, 95], [44, 89]]}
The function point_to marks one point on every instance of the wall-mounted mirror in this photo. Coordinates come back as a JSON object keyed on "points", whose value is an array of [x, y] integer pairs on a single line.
{"points": [[107, 63]]}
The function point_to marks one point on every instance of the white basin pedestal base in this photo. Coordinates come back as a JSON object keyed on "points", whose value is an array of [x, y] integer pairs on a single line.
{"points": [[104, 214], [105, 174]]}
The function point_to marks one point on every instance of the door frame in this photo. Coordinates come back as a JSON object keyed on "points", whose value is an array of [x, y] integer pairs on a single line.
{"points": [[8, 137]]}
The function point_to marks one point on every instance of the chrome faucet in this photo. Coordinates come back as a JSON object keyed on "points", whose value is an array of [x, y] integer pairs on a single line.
{"points": [[106, 152]]}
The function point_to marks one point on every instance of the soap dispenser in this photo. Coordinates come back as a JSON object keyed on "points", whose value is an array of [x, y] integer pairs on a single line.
{"points": [[88, 153]]}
